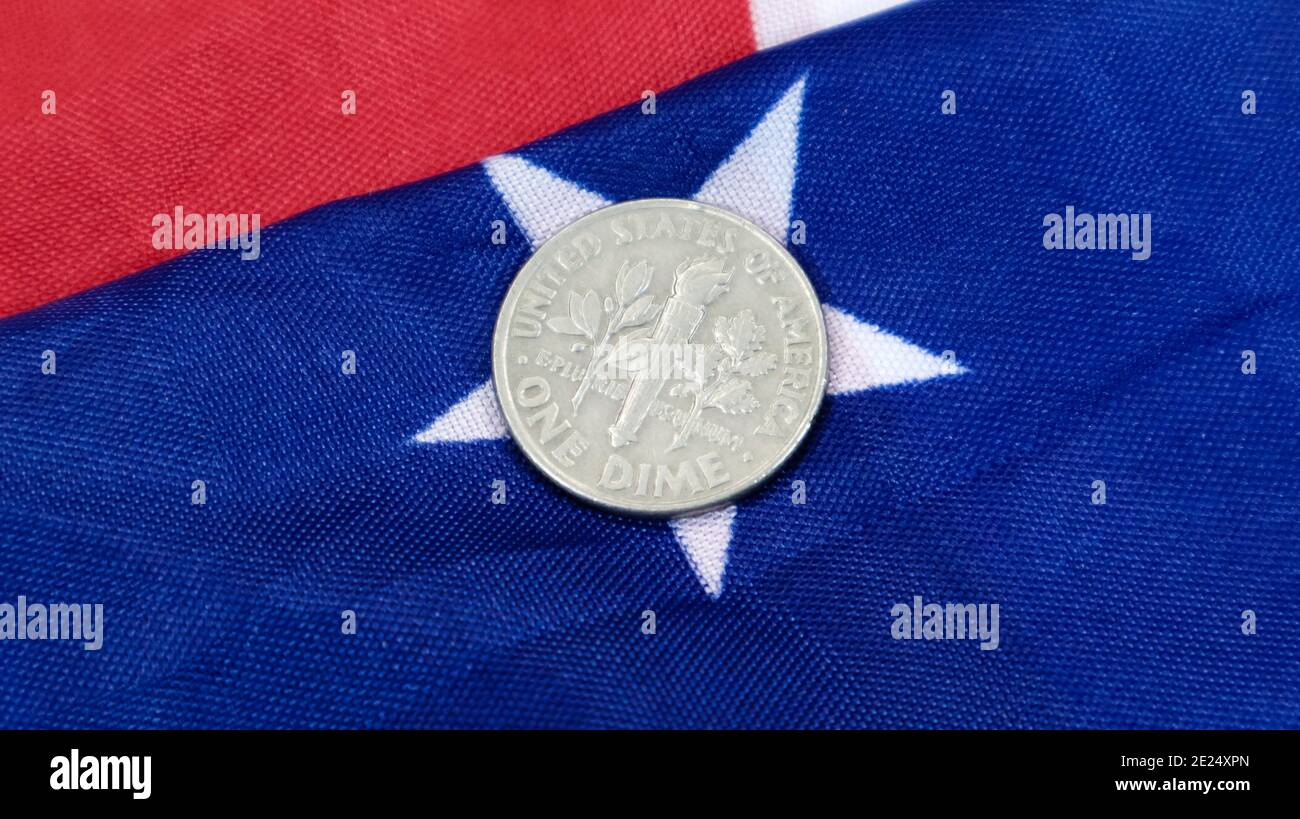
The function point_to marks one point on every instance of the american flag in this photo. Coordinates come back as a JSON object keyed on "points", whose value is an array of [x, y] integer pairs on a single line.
{"points": [[283, 476]]}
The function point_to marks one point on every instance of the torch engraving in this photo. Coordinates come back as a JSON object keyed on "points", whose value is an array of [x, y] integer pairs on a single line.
{"points": [[696, 284]]}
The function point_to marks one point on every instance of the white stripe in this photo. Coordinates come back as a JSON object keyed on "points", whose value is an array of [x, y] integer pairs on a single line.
{"points": [[780, 21]]}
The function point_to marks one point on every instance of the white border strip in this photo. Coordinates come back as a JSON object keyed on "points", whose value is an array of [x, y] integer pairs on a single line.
{"points": [[780, 21]]}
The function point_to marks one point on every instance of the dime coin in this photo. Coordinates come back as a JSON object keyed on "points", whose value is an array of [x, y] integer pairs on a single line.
{"points": [[660, 357]]}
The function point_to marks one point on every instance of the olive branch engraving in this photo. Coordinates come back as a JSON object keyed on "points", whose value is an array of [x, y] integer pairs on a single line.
{"points": [[719, 376], [627, 308]]}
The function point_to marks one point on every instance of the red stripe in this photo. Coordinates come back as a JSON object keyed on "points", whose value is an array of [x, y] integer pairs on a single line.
{"points": [[235, 106]]}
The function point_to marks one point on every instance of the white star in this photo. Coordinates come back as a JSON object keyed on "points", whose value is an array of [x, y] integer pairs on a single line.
{"points": [[757, 182], [705, 540], [476, 417]]}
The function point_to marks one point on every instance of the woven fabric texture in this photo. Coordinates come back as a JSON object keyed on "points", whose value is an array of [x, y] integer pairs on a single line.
{"points": [[1079, 366], [237, 106]]}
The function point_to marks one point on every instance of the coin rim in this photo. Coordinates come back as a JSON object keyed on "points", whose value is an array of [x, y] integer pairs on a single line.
{"points": [[733, 493]]}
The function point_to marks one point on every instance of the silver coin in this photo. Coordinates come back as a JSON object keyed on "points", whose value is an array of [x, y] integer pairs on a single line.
{"points": [[660, 357]]}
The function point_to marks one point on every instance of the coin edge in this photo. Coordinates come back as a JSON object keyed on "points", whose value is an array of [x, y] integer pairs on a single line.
{"points": [[733, 494]]}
